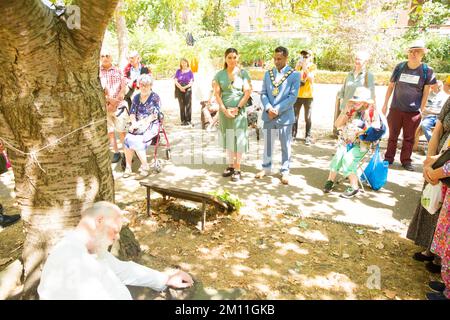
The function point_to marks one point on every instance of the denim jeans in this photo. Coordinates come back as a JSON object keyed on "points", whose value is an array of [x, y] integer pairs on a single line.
{"points": [[426, 125]]}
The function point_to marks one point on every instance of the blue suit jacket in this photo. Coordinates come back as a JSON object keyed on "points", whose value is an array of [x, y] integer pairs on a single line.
{"points": [[284, 101]]}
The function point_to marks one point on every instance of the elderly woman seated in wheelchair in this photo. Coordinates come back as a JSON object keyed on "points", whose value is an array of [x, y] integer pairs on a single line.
{"points": [[360, 125], [144, 116]]}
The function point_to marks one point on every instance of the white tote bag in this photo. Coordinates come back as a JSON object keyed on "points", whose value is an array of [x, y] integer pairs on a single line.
{"points": [[432, 198]]}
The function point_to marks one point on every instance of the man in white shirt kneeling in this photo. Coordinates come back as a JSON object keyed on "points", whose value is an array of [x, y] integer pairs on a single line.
{"points": [[81, 268]]}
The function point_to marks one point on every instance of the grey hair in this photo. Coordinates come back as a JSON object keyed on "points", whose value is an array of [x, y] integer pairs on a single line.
{"points": [[146, 79], [102, 208]]}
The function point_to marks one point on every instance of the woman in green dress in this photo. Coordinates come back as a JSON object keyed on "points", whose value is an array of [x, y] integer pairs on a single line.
{"points": [[232, 89]]}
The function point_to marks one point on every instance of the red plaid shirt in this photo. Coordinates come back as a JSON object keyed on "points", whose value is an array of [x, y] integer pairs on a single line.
{"points": [[112, 80]]}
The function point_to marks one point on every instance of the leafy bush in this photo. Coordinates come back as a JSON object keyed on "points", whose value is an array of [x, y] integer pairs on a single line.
{"points": [[229, 198]]}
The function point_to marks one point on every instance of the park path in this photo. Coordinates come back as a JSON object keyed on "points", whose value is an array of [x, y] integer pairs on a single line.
{"points": [[194, 166]]}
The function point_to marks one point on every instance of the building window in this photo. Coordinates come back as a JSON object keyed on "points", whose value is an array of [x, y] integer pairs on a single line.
{"points": [[252, 27], [237, 25], [251, 3]]}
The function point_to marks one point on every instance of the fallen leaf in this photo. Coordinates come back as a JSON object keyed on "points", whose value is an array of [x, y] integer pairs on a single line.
{"points": [[303, 225], [345, 256], [365, 242], [390, 294], [359, 231], [379, 245]]}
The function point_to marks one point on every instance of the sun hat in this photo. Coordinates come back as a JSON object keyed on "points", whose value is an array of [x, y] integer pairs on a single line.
{"points": [[362, 94]]}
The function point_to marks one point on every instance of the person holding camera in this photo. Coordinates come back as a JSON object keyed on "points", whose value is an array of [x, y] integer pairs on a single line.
{"points": [[306, 67]]}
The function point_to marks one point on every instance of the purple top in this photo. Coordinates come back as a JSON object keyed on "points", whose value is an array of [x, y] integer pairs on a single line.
{"points": [[184, 78]]}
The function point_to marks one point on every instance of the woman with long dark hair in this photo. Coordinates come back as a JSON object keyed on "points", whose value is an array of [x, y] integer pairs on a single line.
{"points": [[232, 88], [183, 91]]}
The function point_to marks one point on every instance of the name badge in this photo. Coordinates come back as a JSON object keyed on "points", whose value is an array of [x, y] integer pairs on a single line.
{"points": [[409, 78]]}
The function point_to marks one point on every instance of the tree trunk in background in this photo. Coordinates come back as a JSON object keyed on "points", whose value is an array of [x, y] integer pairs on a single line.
{"points": [[122, 35], [49, 86]]}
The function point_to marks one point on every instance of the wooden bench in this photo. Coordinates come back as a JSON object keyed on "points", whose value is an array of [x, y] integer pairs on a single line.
{"points": [[186, 195]]}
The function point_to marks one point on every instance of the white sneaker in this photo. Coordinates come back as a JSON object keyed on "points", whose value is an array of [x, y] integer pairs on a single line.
{"points": [[127, 173], [143, 172]]}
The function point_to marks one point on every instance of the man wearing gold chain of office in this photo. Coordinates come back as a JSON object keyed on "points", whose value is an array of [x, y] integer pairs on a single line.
{"points": [[278, 95]]}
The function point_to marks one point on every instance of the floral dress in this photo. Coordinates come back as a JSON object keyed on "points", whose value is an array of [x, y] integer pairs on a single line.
{"points": [[141, 138], [441, 240]]}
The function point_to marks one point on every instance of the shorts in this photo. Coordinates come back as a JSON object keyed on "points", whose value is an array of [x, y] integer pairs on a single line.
{"points": [[118, 120]]}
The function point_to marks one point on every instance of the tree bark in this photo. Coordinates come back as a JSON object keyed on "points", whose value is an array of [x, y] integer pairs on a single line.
{"points": [[122, 35], [49, 87]]}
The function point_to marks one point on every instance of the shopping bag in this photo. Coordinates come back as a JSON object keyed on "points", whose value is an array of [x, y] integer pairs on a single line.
{"points": [[432, 198], [376, 171]]}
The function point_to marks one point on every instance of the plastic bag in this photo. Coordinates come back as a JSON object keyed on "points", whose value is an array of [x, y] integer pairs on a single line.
{"points": [[432, 198], [376, 171]]}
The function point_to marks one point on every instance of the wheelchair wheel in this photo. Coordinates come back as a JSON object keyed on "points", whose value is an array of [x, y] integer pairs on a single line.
{"points": [[168, 154]]}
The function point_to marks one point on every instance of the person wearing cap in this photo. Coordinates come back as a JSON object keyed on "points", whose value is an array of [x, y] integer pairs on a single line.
{"points": [[357, 117], [410, 85], [132, 71], [80, 267], [306, 67], [144, 126], [114, 86]]}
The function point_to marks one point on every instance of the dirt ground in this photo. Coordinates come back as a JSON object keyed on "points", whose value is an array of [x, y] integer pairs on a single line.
{"points": [[275, 248]]}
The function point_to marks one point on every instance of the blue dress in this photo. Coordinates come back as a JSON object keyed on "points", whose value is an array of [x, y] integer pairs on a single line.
{"points": [[140, 141]]}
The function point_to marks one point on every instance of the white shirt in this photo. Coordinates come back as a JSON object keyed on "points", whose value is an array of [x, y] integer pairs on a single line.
{"points": [[279, 74], [72, 273]]}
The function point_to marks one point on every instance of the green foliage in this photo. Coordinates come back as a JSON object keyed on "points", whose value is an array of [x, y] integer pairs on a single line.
{"points": [[229, 198], [160, 50], [438, 56], [424, 16]]}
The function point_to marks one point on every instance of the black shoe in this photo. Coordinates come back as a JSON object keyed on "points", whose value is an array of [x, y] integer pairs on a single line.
{"points": [[437, 286], [8, 220], [349, 193], [436, 296], [433, 268], [228, 172], [328, 186], [116, 158], [408, 166], [236, 176], [389, 162], [419, 256]]}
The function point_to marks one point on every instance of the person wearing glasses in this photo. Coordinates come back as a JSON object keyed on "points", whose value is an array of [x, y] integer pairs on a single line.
{"points": [[410, 84]]}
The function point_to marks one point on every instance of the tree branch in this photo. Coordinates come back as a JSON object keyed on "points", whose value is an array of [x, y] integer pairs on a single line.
{"points": [[23, 22], [95, 15]]}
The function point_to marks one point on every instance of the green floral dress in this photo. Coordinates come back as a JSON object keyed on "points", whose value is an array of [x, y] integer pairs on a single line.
{"points": [[233, 131]]}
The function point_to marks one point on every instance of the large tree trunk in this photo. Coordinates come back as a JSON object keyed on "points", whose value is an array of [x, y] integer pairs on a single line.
{"points": [[122, 35], [49, 87]]}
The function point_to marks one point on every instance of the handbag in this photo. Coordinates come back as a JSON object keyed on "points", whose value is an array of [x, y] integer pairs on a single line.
{"points": [[376, 171], [432, 198]]}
